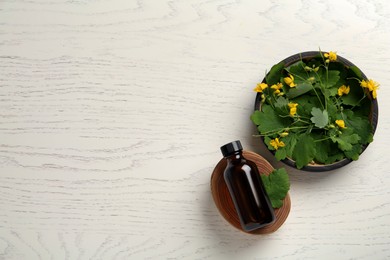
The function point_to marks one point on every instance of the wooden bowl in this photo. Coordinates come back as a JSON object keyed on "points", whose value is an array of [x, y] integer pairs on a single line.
{"points": [[224, 202], [313, 167]]}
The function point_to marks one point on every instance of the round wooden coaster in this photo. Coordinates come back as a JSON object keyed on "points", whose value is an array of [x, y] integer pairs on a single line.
{"points": [[224, 202]]}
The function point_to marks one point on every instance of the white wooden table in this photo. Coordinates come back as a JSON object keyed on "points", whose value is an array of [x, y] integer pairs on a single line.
{"points": [[112, 114]]}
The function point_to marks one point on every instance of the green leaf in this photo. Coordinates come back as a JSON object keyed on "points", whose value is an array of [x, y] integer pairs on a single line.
{"points": [[275, 73], [355, 71], [354, 153], [346, 140], [280, 154], [330, 92], [332, 78], [332, 111], [286, 151], [276, 185], [301, 78], [268, 120], [320, 118], [364, 110], [298, 71], [327, 80], [322, 151], [256, 117], [306, 104], [354, 96], [304, 151], [370, 138], [335, 157], [327, 152], [299, 90], [361, 126], [281, 102], [281, 106], [290, 141]]}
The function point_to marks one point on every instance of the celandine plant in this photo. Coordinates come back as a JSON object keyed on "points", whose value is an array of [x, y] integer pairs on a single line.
{"points": [[315, 111]]}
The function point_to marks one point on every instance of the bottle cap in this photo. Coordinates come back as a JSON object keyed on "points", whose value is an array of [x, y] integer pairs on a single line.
{"points": [[230, 148]]}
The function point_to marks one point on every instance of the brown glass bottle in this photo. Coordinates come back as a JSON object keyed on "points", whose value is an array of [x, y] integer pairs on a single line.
{"points": [[243, 180]]}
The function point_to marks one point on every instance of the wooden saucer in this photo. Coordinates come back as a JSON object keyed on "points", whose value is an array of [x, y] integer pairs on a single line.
{"points": [[224, 202]]}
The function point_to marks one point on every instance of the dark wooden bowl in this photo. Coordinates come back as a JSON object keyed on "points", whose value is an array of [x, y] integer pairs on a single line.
{"points": [[374, 113], [224, 202]]}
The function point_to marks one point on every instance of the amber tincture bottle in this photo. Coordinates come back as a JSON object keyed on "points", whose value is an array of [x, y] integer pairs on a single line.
{"points": [[246, 189]]}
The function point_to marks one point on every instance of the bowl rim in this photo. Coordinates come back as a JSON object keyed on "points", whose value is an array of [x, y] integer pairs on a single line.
{"points": [[374, 113]]}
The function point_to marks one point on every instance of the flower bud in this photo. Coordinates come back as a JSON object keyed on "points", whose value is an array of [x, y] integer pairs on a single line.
{"points": [[284, 134]]}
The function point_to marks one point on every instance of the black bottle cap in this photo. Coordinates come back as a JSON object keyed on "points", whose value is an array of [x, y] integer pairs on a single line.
{"points": [[230, 148]]}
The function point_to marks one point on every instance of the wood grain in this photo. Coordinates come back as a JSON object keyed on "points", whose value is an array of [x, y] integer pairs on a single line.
{"points": [[112, 113]]}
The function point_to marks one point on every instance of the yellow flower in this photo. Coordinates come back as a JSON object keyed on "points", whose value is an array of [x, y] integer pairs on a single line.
{"points": [[260, 87], [276, 144], [340, 123], [371, 85], [330, 56], [290, 81], [293, 108], [343, 90], [277, 88]]}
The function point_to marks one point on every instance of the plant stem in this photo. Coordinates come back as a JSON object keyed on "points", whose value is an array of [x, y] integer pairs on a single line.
{"points": [[359, 101], [323, 139], [323, 87]]}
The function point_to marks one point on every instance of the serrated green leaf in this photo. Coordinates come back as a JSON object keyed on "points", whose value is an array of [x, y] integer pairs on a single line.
{"points": [[276, 185], [335, 157], [354, 153], [330, 92], [289, 144], [275, 73], [281, 106], [290, 141], [320, 117], [286, 151], [332, 112], [304, 150], [268, 120], [256, 117], [346, 140], [281, 102], [280, 154], [328, 80], [306, 104], [361, 126], [322, 151]]}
